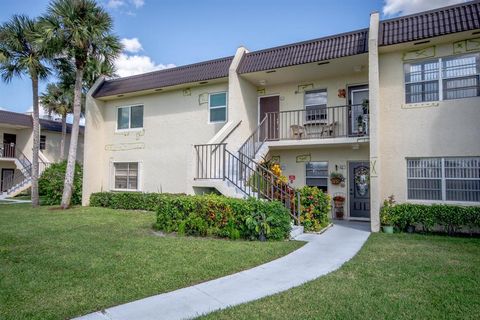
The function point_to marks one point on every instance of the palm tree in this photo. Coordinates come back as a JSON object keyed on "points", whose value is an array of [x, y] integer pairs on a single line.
{"points": [[79, 30], [22, 55], [59, 100]]}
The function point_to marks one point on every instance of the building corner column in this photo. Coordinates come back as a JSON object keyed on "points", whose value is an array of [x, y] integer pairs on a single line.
{"points": [[374, 105], [94, 147]]}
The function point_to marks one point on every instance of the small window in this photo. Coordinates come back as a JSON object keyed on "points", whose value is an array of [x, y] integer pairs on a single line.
{"points": [[43, 142], [444, 179], [126, 176], [317, 175], [217, 105], [316, 105], [130, 117]]}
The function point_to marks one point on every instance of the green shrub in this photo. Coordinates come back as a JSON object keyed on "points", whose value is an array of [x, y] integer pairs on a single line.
{"points": [[52, 180], [213, 215], [127, 200], [451, 217], [315, 207]]}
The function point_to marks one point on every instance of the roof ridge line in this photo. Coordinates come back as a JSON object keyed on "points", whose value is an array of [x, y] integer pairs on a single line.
{"points": [[311, 40], [170, 69]]}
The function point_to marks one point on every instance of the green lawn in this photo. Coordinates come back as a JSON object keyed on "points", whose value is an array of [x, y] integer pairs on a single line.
{"points": [[59, 264], [397, 276]]}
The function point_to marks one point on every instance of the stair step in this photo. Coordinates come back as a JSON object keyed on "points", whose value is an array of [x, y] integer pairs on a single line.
{"points": [[296, 231]]}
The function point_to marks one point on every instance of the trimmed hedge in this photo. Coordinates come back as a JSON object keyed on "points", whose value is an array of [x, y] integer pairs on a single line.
{"points": [[52, 180], [452, 218], [315, 206], [213, 215], [128, 200]]}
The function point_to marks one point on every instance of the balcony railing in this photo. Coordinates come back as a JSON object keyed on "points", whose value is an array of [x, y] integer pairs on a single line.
{"points": [[7, 150], [317, 123]]}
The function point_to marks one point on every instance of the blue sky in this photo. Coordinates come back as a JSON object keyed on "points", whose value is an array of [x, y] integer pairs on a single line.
{"points": [[164, 33]]}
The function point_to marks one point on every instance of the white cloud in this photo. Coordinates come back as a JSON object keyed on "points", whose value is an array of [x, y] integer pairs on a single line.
{"points": [[131, 45], [138, 3], [131, 65], [1, 108], [404, 7], [114, 4]]}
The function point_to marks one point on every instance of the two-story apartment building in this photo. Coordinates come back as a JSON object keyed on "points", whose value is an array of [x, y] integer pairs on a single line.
{"points": [[393, 108], [16, 150]]}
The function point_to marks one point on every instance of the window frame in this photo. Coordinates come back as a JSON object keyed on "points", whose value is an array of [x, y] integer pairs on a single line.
{"points": [[130, 118], [217, 107], [44, 142], [443, 181], [318, 177], [114, 171], [323, 114], [440, 77]]}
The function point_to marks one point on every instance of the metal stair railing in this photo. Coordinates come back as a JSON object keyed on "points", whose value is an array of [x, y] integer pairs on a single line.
{"points": [[214, 161]]}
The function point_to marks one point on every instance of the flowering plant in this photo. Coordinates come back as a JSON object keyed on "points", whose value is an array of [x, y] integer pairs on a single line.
{"points": [[314, 208], [336, 178]]}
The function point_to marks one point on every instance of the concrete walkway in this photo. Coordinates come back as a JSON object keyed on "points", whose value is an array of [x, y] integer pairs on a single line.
{"points": [[322, 254]]}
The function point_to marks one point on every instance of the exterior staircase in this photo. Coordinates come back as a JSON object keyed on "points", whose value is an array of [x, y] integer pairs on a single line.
{"points": [[241, 174], [22, 176]]}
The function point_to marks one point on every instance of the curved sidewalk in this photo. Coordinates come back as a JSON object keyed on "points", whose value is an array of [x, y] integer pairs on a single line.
{"points": [[322, 254]]}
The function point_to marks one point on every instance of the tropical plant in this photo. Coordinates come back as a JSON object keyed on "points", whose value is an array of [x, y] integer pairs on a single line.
{"points": [[23, 54], [315, 208], [78, 31], [51, 184], [58, 100], [259, 222], [386, 218]]}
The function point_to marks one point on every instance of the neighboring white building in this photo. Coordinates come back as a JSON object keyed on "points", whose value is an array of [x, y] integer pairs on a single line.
{"points": [[16, 149], [394, 108]]}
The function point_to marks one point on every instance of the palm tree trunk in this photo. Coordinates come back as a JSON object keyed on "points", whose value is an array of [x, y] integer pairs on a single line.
{"points": [[64, 135], [36, 141], [72, 152]]}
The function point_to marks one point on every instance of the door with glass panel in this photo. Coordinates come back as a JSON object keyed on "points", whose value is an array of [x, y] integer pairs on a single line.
{"points": [[358, 119]]}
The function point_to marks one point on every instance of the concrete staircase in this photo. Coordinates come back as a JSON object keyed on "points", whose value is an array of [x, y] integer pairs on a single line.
{"points": [[22, 177]]}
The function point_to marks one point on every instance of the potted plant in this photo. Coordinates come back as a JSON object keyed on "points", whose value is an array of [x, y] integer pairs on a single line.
{"points": [[336, 178], [338, 202], [386, 219], [360, 124]]}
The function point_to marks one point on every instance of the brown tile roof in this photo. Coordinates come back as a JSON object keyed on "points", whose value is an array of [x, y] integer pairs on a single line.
{"points": [[415, 27], [428, 24], [22, 119], [341, 45], [202, 71], [15, 118], [56, 126]]}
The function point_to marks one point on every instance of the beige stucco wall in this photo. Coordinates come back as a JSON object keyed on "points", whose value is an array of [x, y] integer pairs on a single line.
{"points": [[446, 128], [173, 122], [52, 147], [242, 104], [24, 139], [337, 157]]}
